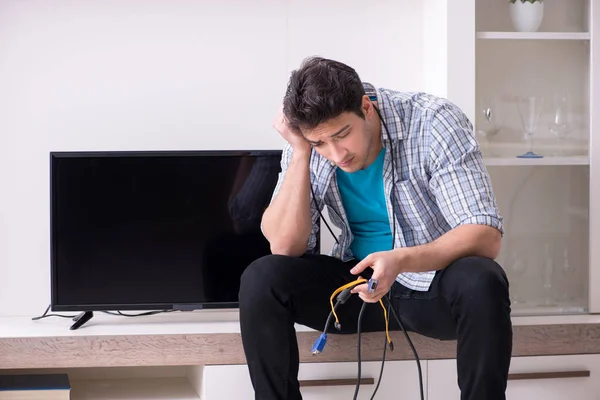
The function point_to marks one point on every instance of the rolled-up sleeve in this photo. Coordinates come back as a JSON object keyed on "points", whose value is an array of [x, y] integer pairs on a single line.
{"points": [[459, 179]]}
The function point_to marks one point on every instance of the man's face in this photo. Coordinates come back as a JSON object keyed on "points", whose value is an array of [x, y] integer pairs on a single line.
{"points": [[347, 140]]}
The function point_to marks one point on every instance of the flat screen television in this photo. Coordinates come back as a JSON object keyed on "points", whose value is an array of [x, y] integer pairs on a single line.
{"points": [[156, 230]]}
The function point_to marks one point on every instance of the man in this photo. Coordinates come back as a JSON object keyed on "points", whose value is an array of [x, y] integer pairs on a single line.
{"points": [[389, 166]]}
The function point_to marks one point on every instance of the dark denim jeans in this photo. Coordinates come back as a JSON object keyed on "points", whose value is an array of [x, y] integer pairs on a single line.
{"points": [[468, 302]]}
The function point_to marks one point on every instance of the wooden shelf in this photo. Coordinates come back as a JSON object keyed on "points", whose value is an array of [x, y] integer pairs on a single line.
{"points": [[534, 35], [546, 160], [95, 348], [129, 389]]}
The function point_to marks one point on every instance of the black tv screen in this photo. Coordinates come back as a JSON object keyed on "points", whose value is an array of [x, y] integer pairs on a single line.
{"points": [[156, 230]]}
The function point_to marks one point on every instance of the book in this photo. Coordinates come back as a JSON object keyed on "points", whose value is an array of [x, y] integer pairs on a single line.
{"points": [[35, 387]]}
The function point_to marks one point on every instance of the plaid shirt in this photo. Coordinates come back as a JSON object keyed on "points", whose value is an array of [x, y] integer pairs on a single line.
{"points": [[440, 183]]}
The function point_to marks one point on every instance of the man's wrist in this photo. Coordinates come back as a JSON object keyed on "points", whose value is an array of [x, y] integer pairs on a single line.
{"points": [[399, 259], [302, 150], [406, 259]]}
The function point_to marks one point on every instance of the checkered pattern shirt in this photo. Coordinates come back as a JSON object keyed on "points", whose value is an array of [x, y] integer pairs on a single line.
{"points": [[440, 180]]}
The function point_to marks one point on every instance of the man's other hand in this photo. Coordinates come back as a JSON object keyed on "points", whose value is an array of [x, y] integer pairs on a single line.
{"points": [[386, 265]]}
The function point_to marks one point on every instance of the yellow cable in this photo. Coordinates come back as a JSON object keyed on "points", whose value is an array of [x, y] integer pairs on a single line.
{"points": [[355, 283], [385, 316], [338, 290]]}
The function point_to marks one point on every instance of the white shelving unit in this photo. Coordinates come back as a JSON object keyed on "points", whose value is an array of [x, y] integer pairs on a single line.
{"points": [[551, 227], [534, 35], [551, 248], [175, 388]]}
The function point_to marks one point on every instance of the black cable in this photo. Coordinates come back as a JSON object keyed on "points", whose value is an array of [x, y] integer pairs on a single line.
{"points": [[412, 347], [46, 315], [143, 314], [387, 132], [389, 302], [329, 318], [52, 315], [360, 314], [117, 313], [390, 308], [314, 198], [385, 344]]}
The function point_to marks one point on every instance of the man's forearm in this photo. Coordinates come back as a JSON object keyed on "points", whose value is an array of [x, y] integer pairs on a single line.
{"points": [[462, 241], [287, 222]]}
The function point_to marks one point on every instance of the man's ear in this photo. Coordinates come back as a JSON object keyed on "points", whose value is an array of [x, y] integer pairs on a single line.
{"points": [[367, 106]]}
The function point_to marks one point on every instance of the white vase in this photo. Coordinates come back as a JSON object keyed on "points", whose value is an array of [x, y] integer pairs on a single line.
{"points": [[526, 17]]}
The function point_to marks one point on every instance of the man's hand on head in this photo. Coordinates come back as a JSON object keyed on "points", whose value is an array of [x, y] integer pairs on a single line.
{"points": [[293, 136], [386, 265]]}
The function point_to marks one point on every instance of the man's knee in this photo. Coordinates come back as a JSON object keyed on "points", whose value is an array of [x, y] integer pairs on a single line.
{"points": [[480, 279], [262, 275]]}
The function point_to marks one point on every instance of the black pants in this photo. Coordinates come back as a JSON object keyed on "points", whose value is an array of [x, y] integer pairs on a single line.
{"points": [[468, 301]]}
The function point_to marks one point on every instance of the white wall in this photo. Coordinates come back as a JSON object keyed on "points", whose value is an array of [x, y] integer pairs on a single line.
{"points": [[448, 48], [161, 74]]}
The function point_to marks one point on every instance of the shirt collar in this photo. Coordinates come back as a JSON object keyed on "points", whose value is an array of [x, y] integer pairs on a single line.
{"points": [[391, 115]]}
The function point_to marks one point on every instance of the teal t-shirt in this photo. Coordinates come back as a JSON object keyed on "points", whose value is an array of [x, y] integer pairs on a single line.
{"points": [[363, 198]]}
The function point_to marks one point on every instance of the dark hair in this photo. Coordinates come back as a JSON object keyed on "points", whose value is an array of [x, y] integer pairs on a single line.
{"points": [[319, 90]]}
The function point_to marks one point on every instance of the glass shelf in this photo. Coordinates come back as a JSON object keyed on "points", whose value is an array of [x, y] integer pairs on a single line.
{"points": [[534, 35], [549, 160]]}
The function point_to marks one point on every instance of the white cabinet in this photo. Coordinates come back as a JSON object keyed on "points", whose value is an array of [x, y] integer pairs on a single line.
{"points": [[396, 375], [328, 381], [533, 100], [548, 378]]}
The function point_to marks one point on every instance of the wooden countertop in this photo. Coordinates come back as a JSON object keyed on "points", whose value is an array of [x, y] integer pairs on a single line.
{"points": [[212, 338]]}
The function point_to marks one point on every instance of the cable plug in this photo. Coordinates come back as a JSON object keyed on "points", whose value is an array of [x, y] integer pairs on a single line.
{"points": [[372, 285], [319, 344], [341, 299], [391, 346]]}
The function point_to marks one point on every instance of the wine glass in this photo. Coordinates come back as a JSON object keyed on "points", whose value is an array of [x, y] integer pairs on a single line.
{"points": [[562, 122], [548, 274], [529, 111], [568, 276], [487, 125], [517, 266]]}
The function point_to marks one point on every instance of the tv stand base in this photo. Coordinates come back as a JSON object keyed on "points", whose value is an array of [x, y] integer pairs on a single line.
{"points": [[81, 319]]}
